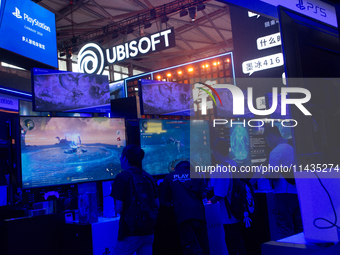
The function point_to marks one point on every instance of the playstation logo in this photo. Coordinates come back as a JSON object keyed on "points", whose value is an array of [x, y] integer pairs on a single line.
{"points": [[300, 5], [17, 13]]}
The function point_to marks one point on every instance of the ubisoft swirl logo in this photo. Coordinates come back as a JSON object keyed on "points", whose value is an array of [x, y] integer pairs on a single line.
{"points": [[91, 59]]}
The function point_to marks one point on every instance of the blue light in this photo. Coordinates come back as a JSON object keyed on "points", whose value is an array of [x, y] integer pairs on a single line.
{"points": [[16, 92]]}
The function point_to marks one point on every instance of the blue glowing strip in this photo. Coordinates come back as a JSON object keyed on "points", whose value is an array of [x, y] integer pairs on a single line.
{"points": [[16, 92], [232, 65]]}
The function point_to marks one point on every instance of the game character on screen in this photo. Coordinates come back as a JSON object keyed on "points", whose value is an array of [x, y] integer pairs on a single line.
{"points": [[136, 200], [222, 187], [186, 195], [286, 203]]}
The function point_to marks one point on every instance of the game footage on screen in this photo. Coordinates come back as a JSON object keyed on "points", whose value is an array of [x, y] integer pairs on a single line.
{"points": [[69, 91], [56, 150], [166, 142], [166, 98]]}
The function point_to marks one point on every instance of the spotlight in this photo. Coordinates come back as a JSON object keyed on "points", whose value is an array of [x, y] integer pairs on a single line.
{"points": [[190, 69], [228, 60], [192, 13], [115, 35], [147, 25], [168, 75], [203, 66], [75, 49], [129, 30], [74, 41], [183, 13], [200, 7], [215, 64], [153, 13], [164, 19], [180, 72], [206, 65], [159, 77]]}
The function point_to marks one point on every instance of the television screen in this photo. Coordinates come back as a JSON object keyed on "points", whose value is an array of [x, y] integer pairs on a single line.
{"points": [[226, 110], [117, 90], [166, 98], [247, 144], [68, 91], [26, 109], [166, 142], [29, 30], [57, 150]]}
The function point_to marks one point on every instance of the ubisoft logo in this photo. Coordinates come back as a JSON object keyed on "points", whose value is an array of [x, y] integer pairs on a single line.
{"points": [[91, 59]]}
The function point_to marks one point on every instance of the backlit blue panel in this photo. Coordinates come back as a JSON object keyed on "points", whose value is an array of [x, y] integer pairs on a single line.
{"points": [[29, 30]]}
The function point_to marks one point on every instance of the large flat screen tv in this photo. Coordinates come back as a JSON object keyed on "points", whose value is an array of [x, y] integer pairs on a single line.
{"points": [[117, 90], [58, 150], [167, 142], [28, 34], [56, 91], [165, 98]]}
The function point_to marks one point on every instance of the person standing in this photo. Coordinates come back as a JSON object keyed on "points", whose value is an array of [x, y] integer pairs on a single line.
{"points": [[136, 200], [222, 185], [186, 196], [286, 203]]}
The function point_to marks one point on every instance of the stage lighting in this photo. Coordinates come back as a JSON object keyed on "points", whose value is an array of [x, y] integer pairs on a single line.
{"points": [[164, 19], [147, 25], [129, 30], [200, 7], [192, 13], [183, 13]]}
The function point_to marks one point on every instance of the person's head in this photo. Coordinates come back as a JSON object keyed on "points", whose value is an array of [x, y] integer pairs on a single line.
{"points": [[132, 156], [183, 165], [220, 149], [273, 136]]}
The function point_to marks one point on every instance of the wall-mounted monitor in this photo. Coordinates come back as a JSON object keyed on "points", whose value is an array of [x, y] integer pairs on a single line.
{"points": [[165, 98], [26, 109], [28, 34], [166, 142], [58, 150], [57, 91], [117, 90]]}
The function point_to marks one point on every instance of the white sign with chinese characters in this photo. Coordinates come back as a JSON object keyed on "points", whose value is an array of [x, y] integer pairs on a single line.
{"points": [[264, 63], [268, 41], [313, 8]]}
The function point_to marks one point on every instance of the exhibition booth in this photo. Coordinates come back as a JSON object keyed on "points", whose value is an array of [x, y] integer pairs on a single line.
{"points": [[62, 133]]}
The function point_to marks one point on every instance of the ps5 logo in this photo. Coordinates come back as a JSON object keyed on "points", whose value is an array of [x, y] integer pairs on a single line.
{"points": [[312, 7], [17, 13]]}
